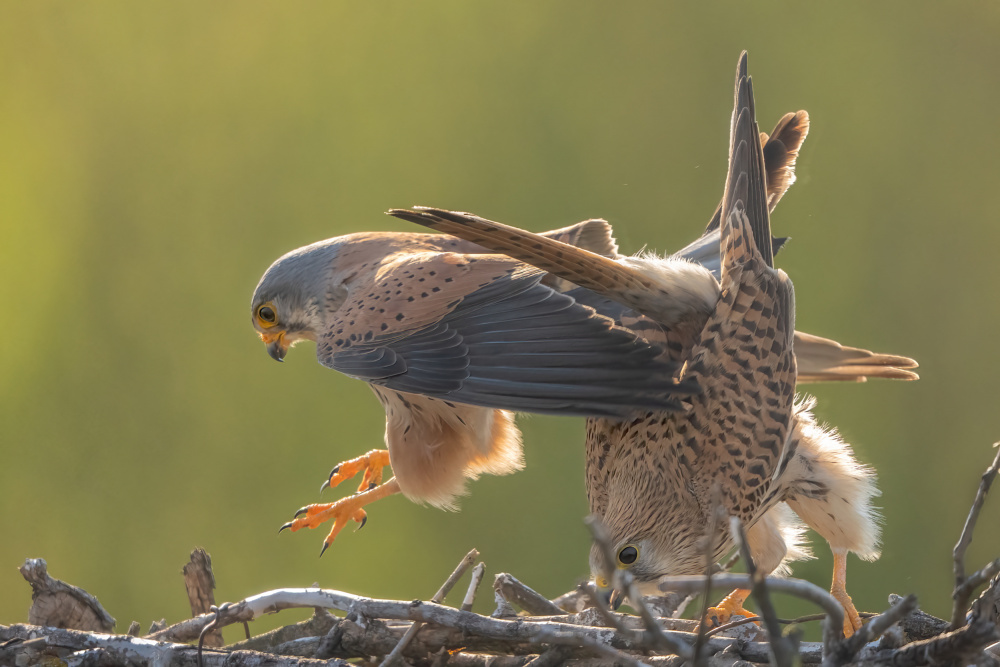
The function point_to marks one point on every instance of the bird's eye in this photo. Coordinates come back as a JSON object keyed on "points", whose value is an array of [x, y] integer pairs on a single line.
{"points": [[266, 316], [628, 555]]}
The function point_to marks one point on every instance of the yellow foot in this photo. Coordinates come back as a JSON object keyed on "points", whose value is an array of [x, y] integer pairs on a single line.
{"points": [[372, 464], [852, 620], [342, 511], [731, 606]]}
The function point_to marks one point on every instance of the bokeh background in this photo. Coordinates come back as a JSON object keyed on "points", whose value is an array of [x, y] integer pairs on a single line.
{"points": [[156, 157]]}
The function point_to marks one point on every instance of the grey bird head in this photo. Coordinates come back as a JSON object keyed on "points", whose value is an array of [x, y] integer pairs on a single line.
{"points": [[295, 294]]}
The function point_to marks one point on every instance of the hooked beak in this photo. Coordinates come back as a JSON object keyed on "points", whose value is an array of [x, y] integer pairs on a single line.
{"points": [[611, 597], [277, 346]]}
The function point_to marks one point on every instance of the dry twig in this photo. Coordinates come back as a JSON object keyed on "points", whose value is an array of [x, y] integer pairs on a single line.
{"points": [[516, 593], [438, 598], [784, 652], [846, 650], [708, 547], [475, 580], [962, 593]]}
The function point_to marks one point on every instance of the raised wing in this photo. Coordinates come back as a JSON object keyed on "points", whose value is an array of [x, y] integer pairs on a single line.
{"points": [[663, 290], [484, 330]]}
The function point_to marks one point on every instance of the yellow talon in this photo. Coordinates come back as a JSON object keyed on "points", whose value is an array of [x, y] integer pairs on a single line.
{"points": [[731, 605], [342, 511], [371, 463]]}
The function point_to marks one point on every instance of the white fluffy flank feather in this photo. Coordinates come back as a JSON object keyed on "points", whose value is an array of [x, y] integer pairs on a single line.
{"points": [[691, 287]]}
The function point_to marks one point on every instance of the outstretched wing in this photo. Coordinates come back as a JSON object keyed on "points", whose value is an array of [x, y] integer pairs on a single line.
{"points": [[484, 330]]}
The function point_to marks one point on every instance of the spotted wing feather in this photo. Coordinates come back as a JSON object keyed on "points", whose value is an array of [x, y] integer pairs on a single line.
{"points": [[497, 337]]}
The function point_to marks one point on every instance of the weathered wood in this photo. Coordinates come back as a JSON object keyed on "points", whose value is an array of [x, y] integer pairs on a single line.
{"points": [[199, 581], [58, 604]]}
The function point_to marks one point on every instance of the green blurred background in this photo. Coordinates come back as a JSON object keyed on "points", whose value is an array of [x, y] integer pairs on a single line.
{"points": [[156, 157]]}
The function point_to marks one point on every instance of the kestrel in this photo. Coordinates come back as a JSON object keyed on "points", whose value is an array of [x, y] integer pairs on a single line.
{"points": [[654, 479], [437, 328], [395, 310]]}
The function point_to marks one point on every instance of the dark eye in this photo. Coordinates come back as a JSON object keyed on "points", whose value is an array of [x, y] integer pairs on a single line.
{"points": [[628, 555], [266, 313]]}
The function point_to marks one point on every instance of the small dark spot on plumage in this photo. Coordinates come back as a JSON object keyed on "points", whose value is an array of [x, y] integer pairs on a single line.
{"points": [[399, 317]]}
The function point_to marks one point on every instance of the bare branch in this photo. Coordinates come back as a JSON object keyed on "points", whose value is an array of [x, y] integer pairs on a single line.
{"points": [[476, 579], [552, 657], [516, 593], [963, 593], [438, 598], [784, 652], [958, 612], [943, 649], [797, 587], [78, 648], [610, 619], [660, 639], [707, 546], [571, 601], [596, 646], [846, 650]]}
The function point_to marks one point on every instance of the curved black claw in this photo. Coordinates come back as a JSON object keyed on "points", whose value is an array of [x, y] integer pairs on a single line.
{"points": [[326, 484], [371, 485], [323, 550], [300, 512], [287, 525], [363, 522]]}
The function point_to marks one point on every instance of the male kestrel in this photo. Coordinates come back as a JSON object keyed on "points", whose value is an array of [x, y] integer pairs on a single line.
{"points": [[654, 479]]}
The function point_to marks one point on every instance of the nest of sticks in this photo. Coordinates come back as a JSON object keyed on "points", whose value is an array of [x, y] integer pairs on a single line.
{"points": [[68, 626]]}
